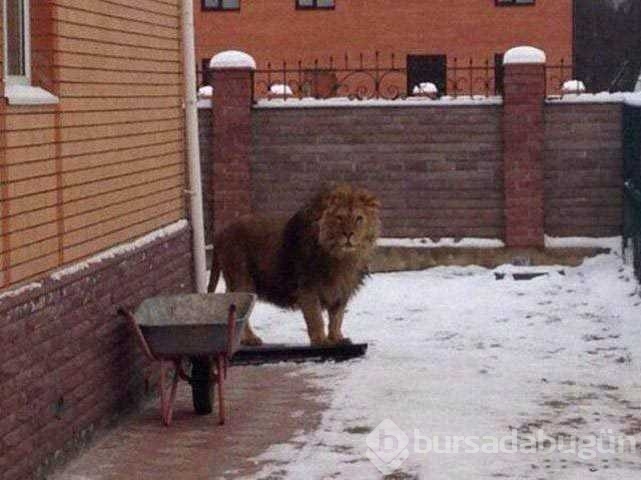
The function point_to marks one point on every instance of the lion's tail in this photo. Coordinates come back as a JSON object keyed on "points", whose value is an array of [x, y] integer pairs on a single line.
{"points": [[215, 272]]}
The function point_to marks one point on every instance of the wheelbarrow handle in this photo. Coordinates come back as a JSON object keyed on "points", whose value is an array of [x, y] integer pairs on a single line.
{"points": [[131, 320]]}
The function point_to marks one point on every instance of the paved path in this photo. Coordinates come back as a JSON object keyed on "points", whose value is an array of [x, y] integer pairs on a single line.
{"points": [[266, 406]]}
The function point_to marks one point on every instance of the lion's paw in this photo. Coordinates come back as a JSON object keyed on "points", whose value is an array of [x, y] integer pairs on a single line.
{"points": [[331, 341]]}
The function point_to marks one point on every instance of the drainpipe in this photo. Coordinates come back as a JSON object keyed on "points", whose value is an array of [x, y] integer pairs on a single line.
{"points": [[193, 147]]}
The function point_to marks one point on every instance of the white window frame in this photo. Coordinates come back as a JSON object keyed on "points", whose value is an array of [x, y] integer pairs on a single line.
{"points": [[17, 88], [26, 31]]}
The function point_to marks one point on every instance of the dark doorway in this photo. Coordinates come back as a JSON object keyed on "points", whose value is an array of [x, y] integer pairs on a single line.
{"points": [[498, 74], [427, 68]]}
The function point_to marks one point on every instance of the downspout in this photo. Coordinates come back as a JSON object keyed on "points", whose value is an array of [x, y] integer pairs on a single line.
{"points": [[193, 147]]}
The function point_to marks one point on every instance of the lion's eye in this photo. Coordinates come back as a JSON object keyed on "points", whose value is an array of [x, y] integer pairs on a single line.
{"points": [[359, 219]]}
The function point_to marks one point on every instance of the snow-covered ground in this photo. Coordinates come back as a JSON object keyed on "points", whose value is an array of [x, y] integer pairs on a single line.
{"points": [[454, 352]]}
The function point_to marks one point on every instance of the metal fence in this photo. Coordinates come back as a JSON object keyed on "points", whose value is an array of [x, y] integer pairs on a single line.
{"points": [[632, 174], [373, 77], [391, 77]]}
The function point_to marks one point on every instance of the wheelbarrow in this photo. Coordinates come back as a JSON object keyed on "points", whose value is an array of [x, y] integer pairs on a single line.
{"points": [[202, 328]]}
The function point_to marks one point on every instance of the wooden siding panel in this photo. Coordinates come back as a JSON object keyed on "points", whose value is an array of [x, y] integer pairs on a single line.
{"points": [[148, 224], [100, 49], [83, 177], [107, 90], [101, 60], [77, 119], [17, 156], [32, 235], [116, 156], [34, 250], [123, 11], [130, 192], [106, 164], [113, 184], [111, 104], [19, 206], [32, 219], [83, 75], [23, 171], [109, 22], [34, 267], [109, 144], [114, 131], [117, 211], [86, 32]]}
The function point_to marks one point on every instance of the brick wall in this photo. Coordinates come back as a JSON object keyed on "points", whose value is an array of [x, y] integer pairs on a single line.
{"points": [[438, 170], [206, 138], [68, 361], [461, 28], [583, 169]]}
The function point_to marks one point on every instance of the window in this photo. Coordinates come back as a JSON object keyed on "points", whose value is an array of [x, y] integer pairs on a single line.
{"points": [[221, 4], [508, 3], [17, 71], [314, 4], [16, 41]]}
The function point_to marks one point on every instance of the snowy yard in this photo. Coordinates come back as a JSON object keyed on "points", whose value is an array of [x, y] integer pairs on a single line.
{"points": [[454, 352]]}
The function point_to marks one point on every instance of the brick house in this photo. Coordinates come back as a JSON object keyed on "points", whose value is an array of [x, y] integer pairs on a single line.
{"points": [[425, 37], [93, 211]]}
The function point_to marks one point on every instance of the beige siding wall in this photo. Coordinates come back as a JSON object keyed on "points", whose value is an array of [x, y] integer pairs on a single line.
{"points": [[107, 164]]}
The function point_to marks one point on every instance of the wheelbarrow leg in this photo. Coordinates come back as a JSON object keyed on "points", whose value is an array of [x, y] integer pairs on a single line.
{"points": [[167, 395], [220, 367]]}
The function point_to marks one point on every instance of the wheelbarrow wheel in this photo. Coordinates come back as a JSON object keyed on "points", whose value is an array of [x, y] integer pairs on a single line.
{"points": [[202, 385]]}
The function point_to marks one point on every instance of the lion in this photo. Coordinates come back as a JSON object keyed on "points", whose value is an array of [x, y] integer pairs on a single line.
{"points": [[313, 261]]}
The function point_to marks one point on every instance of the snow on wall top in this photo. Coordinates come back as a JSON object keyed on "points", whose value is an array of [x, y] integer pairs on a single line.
{"points": [[524, 55], [232, 59]]}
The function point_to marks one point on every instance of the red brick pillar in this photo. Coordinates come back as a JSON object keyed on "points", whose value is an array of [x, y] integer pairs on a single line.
{"points": [[232, 82], [523, 100]]}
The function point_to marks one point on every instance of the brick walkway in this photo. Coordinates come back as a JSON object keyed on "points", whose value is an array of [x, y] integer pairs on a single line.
{"points": [[265, 405]]}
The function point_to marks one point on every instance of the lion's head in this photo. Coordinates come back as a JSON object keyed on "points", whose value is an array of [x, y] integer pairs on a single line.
{"points": [[347, 220]]}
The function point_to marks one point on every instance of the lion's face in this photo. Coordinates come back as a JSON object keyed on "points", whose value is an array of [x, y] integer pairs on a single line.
{"points": [[349, 223]]}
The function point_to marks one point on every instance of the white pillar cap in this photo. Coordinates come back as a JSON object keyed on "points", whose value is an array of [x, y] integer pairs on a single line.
{"points": [[232, 59], [523, 55]]}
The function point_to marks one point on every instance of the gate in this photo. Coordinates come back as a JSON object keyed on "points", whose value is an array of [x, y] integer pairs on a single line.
{"points": [[632, 175]]}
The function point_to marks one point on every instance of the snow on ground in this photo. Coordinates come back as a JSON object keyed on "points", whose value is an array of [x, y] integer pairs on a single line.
{"points": [[454, 352]]}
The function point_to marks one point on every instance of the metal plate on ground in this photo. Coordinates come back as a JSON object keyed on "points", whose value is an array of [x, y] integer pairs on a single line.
{"points": [[282, 352]]}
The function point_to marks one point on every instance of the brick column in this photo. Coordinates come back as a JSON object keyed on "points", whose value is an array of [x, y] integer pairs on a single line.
{"points": [[523, 100], [232, 82]]}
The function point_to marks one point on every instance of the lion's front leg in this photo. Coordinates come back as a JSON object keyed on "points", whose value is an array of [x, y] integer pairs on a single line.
{"points": [[313, 314], [336, 314]]}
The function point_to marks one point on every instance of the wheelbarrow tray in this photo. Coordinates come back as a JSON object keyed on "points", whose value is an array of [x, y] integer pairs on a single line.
{"points": [[192, 324]]}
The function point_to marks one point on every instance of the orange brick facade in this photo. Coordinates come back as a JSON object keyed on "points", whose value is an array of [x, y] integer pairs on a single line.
{"points": [[274, 30]]}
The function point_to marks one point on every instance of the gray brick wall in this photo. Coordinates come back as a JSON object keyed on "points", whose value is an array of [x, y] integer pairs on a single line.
{"points": [[438, 170], [583, 169]]}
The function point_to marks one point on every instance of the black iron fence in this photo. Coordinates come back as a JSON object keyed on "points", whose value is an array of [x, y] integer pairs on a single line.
{"points": [[632, 175], [386, 77], [374, 77]]}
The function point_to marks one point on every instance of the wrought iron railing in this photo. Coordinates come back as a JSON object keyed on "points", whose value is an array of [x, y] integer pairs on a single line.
{"points": [[562, 79], [558, 75], [373, 77], [385, 77]]}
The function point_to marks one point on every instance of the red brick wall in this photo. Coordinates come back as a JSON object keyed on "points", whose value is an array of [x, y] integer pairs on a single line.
{"points": [[438, 170], [232, 136], [68, 362], [461, 28], [583, 169], [522, 154]]}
